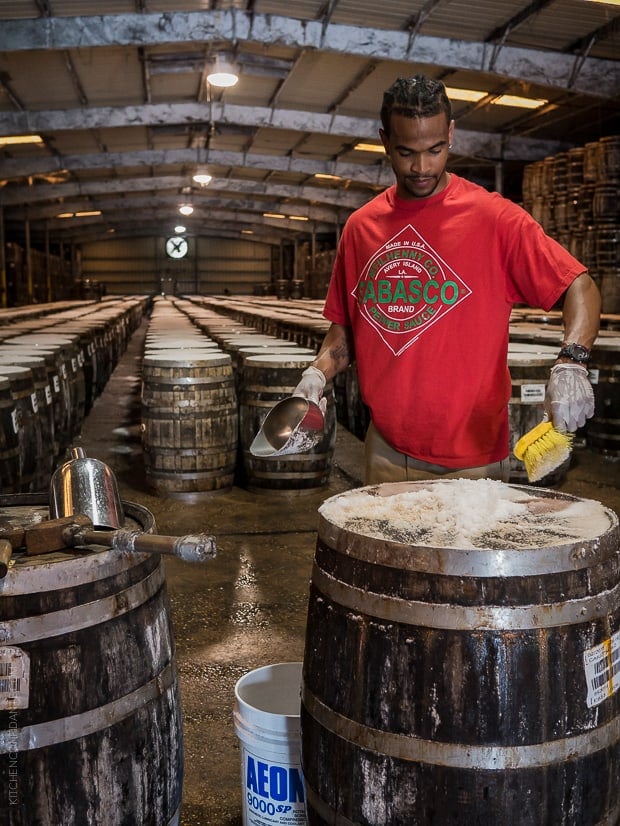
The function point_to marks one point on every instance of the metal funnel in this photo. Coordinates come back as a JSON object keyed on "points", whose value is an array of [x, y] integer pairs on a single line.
{"points": [[293, 425], [89, 487]]}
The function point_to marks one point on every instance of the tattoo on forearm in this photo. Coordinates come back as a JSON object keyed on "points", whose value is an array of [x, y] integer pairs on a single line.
{"points": [[340, 353]]}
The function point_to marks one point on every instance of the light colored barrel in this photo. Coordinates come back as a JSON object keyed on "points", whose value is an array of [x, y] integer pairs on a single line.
{"points": [[189, 421]]}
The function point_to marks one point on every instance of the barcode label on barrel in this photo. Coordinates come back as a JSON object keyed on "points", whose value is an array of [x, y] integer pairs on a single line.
{"points": [[14, 678], [602, 667], [532, 393]]}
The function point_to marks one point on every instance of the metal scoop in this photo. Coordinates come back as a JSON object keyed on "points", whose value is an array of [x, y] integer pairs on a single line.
{"points": [[87, 486], [293, 425], [84, 496]]}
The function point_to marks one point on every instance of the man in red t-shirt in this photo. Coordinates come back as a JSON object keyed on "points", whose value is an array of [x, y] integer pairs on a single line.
{"points": [[425, 277]]}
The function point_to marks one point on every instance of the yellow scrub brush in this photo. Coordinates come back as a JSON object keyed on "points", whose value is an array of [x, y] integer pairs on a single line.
{"points": [[543, 449]]}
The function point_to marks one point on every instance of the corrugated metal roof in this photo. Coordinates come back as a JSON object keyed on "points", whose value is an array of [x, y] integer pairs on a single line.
{"points": [[121, 96]]}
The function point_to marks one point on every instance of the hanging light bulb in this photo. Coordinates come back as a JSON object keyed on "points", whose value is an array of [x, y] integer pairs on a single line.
{"points": [[223, 75], [203, 178], [186, 209]]}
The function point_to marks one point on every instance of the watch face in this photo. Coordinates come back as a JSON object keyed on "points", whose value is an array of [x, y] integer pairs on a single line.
{"points": [[577, 352], [176, 247]]}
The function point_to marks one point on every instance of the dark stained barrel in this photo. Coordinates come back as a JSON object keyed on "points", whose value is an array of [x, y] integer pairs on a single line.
{"points": [[42, 403], [189, 421], [70, 377], [603, 429], [461, 659], [90, 717], [26, 425], [9, 441]]}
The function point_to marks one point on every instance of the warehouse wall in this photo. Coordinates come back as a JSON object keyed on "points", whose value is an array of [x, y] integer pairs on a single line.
{"points": [[140, 265]]}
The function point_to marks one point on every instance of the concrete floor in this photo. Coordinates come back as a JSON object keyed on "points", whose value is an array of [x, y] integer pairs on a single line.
{"points": [[247, 607]]}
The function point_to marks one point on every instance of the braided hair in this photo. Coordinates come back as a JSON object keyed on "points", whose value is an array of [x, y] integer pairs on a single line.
{"points": [[415, 97]]}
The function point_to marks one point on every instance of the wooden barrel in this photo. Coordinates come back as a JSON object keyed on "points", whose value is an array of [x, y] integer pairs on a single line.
{"points": [[189, 421], [574, 166], [42, 404], [26, 425], [70, 375], [9, 441], [267, 380], [59, 387], [603, 429], [90, 717], [590, 161], [458, 670], [609, 158], [529, 366], [606, 203]]}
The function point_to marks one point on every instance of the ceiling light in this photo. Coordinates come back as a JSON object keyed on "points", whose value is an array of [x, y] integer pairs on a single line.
{"points": [[474, 95], [369, 147], [15, 140], [298, 217], [223, 74], [247, 232], [522, 103], [202, 178], [186, 209], [606, 2], [179, 229], [324, 176], [84, 214], [273, 215], [465, 94]]}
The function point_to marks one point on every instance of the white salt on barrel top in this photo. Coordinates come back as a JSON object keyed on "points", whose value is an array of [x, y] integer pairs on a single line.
{"points": [[465, 513]]}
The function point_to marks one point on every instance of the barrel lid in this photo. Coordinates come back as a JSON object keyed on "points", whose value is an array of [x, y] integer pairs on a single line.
{"points": [[20, 358], [277, 359], [487, 528], [186, 358], [15, 371]]}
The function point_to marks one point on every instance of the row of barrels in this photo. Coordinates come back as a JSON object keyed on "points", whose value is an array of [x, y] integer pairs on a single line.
{"points": [[52, 368], [574, 195], [302, 321], [208, 384]]}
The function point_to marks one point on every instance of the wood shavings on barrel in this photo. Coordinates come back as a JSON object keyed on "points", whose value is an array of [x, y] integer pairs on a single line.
{"points": [[465, 513]]}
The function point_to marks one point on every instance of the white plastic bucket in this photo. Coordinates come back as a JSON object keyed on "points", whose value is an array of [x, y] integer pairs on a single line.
{"points": [[266, 715]]}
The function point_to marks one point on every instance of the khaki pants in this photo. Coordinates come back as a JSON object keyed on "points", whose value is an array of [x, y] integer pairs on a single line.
{"points": [[385, 464]]}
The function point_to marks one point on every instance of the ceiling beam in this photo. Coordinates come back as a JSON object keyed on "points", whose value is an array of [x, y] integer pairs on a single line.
{"points": [[113, 209], [596, 77], [374, 174], [483, 144], [307, 194]]}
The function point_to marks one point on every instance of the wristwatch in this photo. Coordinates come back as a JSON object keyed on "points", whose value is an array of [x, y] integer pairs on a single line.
{"points": [[575, 352]]}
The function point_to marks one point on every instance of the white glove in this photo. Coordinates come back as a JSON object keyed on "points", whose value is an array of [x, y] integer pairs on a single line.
{"points": [[570, 398], [311, 387]]}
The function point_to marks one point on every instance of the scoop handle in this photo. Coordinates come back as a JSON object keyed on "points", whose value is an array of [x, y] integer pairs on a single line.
{"points": [[191, 548]]}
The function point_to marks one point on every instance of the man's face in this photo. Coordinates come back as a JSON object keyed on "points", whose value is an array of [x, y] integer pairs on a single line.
{"points": [[418, 151]]}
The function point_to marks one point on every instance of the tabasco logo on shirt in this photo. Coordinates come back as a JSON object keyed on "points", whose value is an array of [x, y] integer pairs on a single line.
{"points": [[405, 288]]}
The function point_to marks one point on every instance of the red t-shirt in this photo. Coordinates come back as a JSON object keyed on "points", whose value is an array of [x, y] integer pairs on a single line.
{"points": [[427, 287]]}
